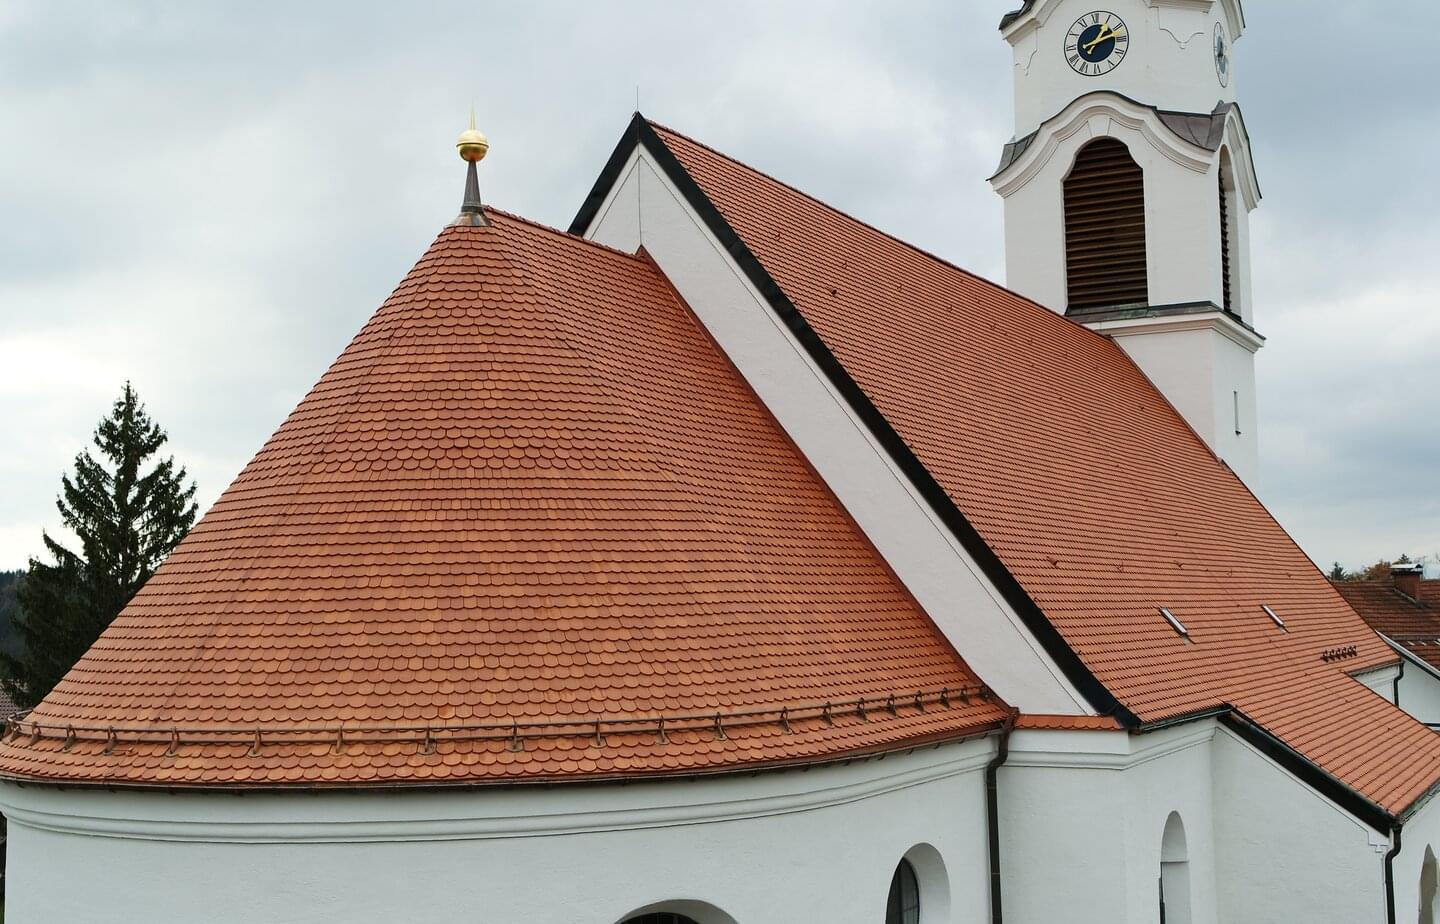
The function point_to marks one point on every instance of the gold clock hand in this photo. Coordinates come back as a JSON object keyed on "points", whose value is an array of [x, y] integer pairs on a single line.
{"points": [[1105, 33]]}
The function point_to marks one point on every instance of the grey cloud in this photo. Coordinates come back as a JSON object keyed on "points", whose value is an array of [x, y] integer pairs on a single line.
{"points": [[212, 198]]}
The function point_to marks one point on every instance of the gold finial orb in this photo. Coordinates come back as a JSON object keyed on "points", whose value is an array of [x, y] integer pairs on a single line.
{"points": [[472, 144]]}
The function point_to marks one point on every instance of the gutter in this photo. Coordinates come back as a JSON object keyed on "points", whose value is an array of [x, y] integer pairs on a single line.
{"points": [[1390, 873], [992, 813]]}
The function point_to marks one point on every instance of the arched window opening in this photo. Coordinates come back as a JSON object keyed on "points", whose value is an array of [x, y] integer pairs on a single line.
{"points": [[1105, 262], [677, 911], [1174, 873], [903, 905], [1228, 257], [1428, 881]]}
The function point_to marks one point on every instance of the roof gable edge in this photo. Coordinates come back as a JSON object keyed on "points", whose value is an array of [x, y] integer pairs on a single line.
{"points": [[640, 132]]}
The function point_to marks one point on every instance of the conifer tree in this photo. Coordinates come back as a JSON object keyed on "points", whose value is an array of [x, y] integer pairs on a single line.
{"points": [[126, 520]]}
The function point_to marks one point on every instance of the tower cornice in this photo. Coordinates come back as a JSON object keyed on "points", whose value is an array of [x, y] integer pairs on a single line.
{"points": [[1176, 135], [1032, 14]]}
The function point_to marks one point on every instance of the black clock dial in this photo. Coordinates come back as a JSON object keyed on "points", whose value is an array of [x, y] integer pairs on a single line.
{"points": [[1096, 43], [1222, 55]]}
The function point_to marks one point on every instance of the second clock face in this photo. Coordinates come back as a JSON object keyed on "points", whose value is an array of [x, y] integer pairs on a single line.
{"points": [[1097, 43]]}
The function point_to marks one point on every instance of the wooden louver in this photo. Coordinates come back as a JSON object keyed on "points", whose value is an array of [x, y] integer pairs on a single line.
{"points": [[1105, 228], [1225, 243]]}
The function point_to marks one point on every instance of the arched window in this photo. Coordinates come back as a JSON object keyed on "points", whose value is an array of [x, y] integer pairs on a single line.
{"points": [[1174, 873], [903, 905], [1105, 228], [661, 917], [1428, 882], [1228, 257]]}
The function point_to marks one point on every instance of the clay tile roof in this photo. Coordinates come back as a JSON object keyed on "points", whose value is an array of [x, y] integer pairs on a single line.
{"points": [[530, 525], [1413, 624], [1077, 474]]}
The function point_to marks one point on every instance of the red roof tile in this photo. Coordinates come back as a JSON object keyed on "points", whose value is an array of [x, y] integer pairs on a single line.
{"points": [[530, 491], [1091, 489], [1034, 722], [1415, 624]]}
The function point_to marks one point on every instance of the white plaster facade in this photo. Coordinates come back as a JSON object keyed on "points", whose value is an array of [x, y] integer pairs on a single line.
{"points": [[1418, 688], [1084, 817], [1171, 56], [813, 845]]}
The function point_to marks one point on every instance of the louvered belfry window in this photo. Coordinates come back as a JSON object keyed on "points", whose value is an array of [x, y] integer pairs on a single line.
{"points": [[1225, 242], [1105, 228]]}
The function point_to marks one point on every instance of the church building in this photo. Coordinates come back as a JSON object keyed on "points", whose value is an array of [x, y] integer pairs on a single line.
{"points": [[726, 560]]}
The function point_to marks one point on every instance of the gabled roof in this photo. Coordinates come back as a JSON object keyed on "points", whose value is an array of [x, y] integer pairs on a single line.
{"points": [[1412, 623], [531, 525], [1073, 482]]}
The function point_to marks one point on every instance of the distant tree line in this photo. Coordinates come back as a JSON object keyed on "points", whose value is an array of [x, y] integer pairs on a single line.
{"points": [[126, 508], [1380, 571], [9, 607]]}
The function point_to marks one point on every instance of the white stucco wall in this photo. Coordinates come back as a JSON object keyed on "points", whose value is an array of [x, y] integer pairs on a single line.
{"points": [[1082, 814], [1422, 830], [645, 208], [816, 845], [1381, 680], [1208, 374], [1284, 853], [1419, 692], [1170, 61]]}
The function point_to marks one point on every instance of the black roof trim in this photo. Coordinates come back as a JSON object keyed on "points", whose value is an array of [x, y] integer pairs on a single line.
{"points": [[1310, 773], [1013, 15], [1075, 670]]}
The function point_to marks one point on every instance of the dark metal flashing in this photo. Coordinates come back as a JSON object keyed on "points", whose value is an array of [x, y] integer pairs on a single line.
{"points": [[472, 211], [1331, 787], [1013, 15], [616, 778], [1132, 312], [1075, 670], [1204, 130]]}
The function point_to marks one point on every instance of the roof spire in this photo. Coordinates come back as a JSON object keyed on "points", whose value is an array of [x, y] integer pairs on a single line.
{"points": [[472, 147]]}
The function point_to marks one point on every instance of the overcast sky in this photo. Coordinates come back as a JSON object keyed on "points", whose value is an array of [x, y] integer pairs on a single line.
{"points": [[210, 199]]}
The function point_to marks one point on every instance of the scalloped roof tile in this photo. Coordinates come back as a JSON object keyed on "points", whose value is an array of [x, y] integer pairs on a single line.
{"points": [[530, 495]]}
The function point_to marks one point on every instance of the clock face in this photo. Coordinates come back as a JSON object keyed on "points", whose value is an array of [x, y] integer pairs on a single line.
{"points": [[1222, 55], [1097, 43]]}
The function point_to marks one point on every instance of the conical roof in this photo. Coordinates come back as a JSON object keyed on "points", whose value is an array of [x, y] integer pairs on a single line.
{"points": [[530, 525]]}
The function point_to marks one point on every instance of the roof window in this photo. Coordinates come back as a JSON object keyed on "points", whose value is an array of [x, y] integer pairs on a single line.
{"points": [[1175, 623]]}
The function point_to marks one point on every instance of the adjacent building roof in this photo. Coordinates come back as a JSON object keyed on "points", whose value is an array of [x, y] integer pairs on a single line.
{"points": [[1078, 487], [530, 525], [1410, 622]]}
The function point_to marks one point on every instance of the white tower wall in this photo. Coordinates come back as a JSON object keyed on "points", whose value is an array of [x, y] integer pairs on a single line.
{"points": [[1166, 103]]}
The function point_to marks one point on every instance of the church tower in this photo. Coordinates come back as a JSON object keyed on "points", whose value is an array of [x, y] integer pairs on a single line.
{"points": [[1128, 188]]}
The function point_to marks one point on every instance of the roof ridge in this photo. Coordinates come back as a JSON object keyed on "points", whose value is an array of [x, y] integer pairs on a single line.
{"points": [[574, 238], [1027, 300]]}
